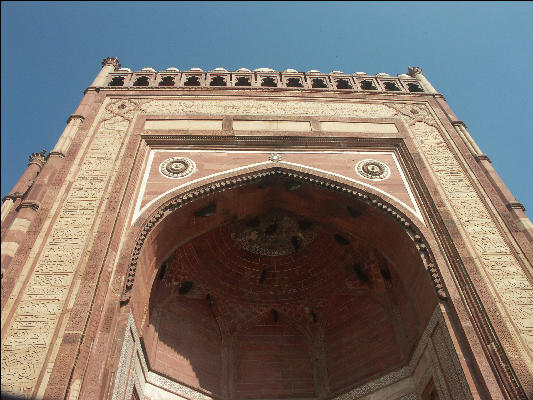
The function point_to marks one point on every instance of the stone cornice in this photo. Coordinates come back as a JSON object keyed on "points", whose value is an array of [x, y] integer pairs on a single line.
{"points": [[515, 205], [56, 154], [34, 205], [75, 116], [458, 123], [481, 157], [12, 196]]}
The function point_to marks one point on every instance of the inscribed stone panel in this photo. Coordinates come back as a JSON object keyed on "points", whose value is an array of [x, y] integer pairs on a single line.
{"points": [[28, 337]]}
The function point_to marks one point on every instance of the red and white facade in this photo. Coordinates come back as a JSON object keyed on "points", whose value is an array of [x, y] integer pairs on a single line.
{"points": [[264, 235]]}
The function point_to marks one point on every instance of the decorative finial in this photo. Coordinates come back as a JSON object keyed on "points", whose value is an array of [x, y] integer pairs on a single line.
{"points": [[38, 157], [111, 60], [412, 71]]}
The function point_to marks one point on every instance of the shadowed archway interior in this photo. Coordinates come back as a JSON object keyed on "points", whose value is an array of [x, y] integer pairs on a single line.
{"points": [[279, 289]]}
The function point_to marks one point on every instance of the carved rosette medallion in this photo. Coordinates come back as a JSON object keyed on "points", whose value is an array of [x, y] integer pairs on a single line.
{"points": [[177, 167], [372, 169]]}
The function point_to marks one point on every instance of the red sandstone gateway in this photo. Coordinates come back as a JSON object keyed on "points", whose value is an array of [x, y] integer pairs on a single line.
{"points": [[264, 235]]}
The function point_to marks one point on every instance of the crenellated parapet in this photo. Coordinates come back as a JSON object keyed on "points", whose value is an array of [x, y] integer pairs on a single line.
{"points": [[266, 79], [37, 158]]}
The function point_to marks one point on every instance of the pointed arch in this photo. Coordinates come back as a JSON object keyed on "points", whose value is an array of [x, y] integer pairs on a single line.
{"points": [[199, 193], [189, 215]]}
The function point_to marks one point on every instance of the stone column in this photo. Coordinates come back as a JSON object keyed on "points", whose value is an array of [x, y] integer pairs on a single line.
{"points": [[63, 144], [472, 146], [109, 64], [7, 205], [17, 229], [36, 163], [416, 72]]}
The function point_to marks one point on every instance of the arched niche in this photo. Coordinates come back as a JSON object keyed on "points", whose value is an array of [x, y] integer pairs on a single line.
{"points": [[272, 359], [368, 262], [183, 339]]}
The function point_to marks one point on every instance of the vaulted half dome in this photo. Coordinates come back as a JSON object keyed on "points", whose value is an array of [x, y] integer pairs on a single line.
{"points": [[284, 290]]}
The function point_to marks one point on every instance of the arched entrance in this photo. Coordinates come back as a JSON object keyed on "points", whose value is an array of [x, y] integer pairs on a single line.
{"points": [[284, 285]]}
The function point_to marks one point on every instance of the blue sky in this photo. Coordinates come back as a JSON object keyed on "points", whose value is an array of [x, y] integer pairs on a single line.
{"points": [[478, 54]]}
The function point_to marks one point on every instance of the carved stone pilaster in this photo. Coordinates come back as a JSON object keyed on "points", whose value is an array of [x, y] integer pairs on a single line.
{"points": [[63, 144], [460, 128]]}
